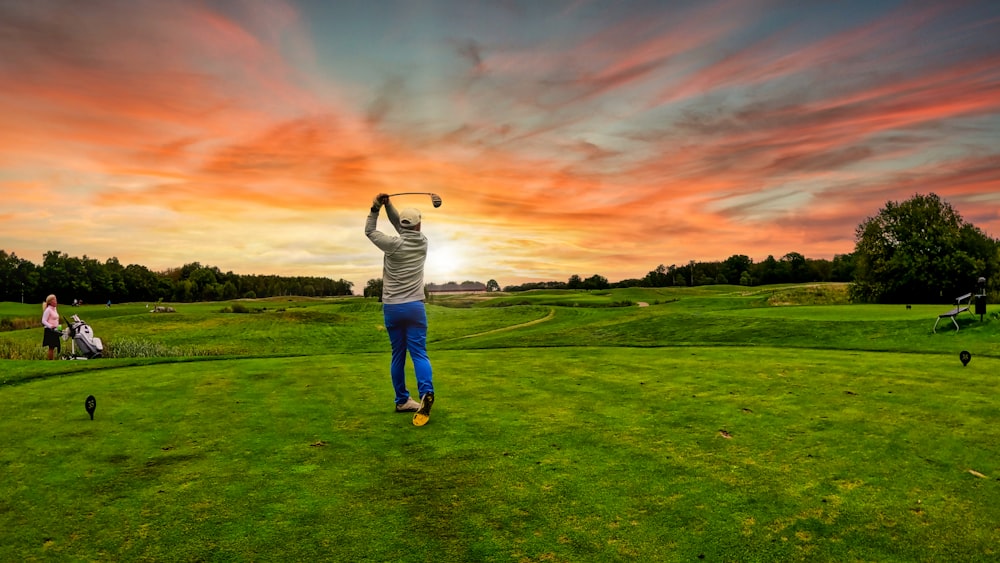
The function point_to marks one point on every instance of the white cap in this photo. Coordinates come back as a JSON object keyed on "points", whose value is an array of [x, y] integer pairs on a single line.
{"points": [[409, 217]]}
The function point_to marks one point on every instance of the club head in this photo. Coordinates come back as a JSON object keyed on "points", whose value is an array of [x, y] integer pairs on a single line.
{"points": [[436, 200]]}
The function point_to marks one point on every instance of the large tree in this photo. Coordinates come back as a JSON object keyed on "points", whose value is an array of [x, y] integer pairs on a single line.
{"points": [[374, 288], [920, 251], [10, 285], [657, 278], [735, 266]]}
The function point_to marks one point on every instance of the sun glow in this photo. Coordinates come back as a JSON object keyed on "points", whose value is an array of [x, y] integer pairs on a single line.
{"points": [[446, 262]]}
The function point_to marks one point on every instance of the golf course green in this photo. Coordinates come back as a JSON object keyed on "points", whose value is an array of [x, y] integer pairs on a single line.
{"points": [[718, 423]]}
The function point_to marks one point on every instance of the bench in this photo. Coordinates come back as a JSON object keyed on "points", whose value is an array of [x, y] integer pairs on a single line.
{"points": [[959, 308]]}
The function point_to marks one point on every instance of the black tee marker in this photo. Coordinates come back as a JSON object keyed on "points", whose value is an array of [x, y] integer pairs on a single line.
{"points": [[91, 406], [965, 356]]}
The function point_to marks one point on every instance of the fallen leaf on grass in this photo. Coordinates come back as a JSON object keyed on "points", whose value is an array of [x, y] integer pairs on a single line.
{"points": [[977, 474]]}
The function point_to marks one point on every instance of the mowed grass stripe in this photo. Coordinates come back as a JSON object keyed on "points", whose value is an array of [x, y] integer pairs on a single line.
{"points": [[564, 454]]}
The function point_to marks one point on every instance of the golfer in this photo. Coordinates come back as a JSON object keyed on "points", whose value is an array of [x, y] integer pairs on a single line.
{"points": [[50, 320], [403, 303]]}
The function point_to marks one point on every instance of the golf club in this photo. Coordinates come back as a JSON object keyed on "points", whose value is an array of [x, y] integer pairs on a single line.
{"points": [[435, 199]]}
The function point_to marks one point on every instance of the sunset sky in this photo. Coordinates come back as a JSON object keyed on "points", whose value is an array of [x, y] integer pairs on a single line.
{"points": [[579, 137]]}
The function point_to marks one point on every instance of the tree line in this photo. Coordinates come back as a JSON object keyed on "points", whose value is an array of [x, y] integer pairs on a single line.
{"points": [[917, 251], [91, 281], [738, 269]]}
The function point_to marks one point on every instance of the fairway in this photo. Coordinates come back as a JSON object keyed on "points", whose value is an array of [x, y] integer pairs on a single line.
{"points": [[561, 433]]}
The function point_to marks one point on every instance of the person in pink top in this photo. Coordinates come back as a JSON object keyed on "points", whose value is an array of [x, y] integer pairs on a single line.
{"points": [[50, 320]]}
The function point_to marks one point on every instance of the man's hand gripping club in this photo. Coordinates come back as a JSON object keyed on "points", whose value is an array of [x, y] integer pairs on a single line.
{"points": [[379, 201]]}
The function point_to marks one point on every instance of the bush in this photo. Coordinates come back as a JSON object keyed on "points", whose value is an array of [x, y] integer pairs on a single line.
{"points": [[235, 308]]}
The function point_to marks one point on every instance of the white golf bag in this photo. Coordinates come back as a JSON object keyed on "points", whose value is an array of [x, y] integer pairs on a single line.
{"points": [[83, 338]]}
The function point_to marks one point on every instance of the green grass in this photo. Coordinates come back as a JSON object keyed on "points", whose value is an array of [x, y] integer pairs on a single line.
{"points": [[712, 426]]}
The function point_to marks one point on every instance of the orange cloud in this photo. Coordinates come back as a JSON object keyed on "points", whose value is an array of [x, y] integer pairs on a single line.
{"points": [[633, 138]]}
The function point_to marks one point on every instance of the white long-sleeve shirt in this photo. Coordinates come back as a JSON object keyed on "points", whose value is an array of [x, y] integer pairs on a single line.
{"points": [[403, 264]]}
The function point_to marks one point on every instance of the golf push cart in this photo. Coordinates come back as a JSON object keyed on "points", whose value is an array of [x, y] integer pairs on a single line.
{"points": [[82, 337]]}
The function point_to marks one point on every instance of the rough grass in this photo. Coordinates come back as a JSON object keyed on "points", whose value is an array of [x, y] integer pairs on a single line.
{"points": [[143, 348], [8, 324], [15, 351]]}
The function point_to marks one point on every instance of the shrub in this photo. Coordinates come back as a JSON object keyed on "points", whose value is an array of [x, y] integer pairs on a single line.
{"points": [[235, 308]]}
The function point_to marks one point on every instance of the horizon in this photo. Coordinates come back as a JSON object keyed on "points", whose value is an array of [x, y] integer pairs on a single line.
{"points": [[359, 288], [564, 138]]}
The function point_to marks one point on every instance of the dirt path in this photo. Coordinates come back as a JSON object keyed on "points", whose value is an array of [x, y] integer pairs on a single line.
{"points": [[552, 313]]}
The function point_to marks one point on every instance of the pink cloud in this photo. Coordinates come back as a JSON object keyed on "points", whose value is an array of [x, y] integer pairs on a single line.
{"points": [[621, 145]]}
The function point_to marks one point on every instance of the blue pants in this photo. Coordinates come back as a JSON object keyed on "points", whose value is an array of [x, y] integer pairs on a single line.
{"points": [[406, 324]]}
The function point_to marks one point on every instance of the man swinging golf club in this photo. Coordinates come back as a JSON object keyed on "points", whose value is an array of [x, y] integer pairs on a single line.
{"points": [[403, 303]]}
